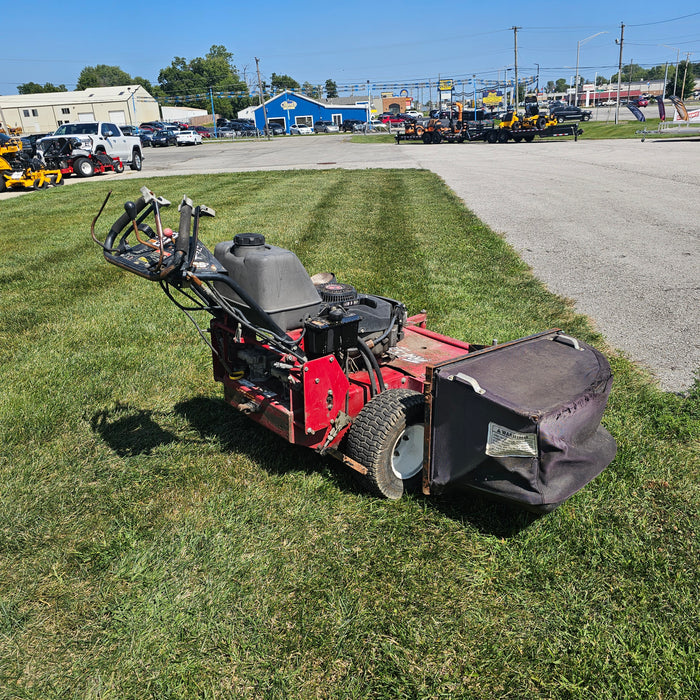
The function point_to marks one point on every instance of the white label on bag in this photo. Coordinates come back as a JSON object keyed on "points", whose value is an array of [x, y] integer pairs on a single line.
{"points": [[504, 442]]}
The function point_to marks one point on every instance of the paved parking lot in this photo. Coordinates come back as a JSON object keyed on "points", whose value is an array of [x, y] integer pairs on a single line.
{"points": [[612, 225]]}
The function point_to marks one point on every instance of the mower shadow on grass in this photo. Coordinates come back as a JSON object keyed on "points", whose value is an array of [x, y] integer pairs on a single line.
{"points": [[130, 431], [214, 418]]}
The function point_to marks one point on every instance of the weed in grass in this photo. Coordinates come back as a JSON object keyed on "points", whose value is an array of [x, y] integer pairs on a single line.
{"points": [[153, 542]]}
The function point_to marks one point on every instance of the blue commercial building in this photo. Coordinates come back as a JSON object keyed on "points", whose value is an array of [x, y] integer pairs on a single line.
{"points": [[290, 108]]}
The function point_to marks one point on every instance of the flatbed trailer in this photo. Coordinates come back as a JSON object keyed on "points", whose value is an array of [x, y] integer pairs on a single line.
{"points": [[475, 131], [499, 135]]}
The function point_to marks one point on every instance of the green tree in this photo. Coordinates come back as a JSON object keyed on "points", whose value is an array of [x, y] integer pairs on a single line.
{"points": [[561, 85], [279, 83], [33, 88], [102, 76], [313, 91], [331, 88], [195, 78], [148, 86]]}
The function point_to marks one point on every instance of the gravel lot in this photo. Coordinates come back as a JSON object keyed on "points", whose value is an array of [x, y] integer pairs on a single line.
{"points": [[612, 225]]}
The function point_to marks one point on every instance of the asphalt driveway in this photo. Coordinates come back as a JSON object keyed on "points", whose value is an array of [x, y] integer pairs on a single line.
{"points": [[613, 225]]}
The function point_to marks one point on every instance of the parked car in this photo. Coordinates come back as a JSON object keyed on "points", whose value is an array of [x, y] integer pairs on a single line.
{"points": [[564, 112], [164, 138], [153, 126], [275, 129], [349, 124], [301, 129], [226, 132], [187, 137], [415, 115], [393, 119], [640, 102], [202, 131], [325, 126]]}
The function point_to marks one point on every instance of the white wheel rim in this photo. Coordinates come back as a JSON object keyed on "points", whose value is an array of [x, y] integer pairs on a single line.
{"points": [[407, 454]]}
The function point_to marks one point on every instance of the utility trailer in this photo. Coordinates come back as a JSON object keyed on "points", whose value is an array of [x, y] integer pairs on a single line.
{"points": [[352, 375], [489, 132], [503, 135]]}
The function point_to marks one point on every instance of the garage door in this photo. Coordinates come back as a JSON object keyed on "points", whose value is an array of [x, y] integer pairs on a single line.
{"points": [[117, 117]]}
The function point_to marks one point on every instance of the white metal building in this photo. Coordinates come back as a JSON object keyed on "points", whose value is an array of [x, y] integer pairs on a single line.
{"points": [[46, 111]]}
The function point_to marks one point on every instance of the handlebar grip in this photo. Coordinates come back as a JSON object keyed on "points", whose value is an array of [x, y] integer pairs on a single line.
{"points": [[184, 229], [123, 221]]}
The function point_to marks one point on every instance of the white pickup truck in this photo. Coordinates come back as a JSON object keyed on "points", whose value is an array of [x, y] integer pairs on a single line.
{"points": [[100, 137]]}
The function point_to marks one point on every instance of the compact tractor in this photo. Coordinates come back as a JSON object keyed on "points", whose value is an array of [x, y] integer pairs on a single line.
{"points": [[19, 170], [352, 375]]}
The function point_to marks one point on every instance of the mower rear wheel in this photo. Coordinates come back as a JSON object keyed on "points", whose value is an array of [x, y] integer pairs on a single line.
{"points": [[83, 167], [387, 438]]}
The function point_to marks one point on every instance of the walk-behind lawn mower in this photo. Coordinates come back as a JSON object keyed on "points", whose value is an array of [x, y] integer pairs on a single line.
{"points": [[352, 375]]}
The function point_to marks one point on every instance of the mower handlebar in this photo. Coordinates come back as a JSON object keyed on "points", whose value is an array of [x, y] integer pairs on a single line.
{"points": [[132, 210]]}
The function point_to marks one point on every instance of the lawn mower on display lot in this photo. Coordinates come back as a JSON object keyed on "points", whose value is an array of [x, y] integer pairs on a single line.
{"points": [[21, 170], [352, 375]]}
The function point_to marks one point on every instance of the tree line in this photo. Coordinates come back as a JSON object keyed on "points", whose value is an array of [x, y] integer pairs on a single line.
{"points": [[215, 71]]}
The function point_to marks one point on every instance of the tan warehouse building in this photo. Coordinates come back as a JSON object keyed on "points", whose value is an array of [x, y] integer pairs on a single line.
{"points": [[46, 111]]}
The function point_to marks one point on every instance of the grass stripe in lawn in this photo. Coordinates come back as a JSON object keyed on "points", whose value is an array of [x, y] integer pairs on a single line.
{"points": [[153, 542]]}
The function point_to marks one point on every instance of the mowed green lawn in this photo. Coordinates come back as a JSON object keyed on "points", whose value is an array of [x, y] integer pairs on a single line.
{"points": [[154, 543]]}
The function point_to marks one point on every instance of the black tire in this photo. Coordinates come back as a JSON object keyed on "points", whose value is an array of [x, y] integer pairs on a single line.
{"points": [[83, 167], [427, 137], [3, 186], [393, 419], [503, 136], [560, 120], [492, 137], [517, 138], [118, 166], [136, 160], [437, 137], [586, 117], [529, 138]]}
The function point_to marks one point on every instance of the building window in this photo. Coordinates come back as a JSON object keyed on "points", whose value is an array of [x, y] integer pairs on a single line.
{"points": [[65, 110], [35, 113], [25, 112]]}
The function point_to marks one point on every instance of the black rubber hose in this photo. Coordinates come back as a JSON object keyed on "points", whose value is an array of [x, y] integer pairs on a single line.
{"points": [[370, 373], [364, 349]]}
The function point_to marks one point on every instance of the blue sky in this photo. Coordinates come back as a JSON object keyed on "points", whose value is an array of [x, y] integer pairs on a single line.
{"points": [[350, 42]]}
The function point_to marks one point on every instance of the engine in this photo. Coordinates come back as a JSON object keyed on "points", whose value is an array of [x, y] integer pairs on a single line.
{"points": [[334, 317]]}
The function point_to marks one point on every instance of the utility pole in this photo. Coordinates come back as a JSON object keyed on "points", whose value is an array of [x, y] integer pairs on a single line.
{"points": [[619, 73], [260, 96], [685, 72], [515, 49]]}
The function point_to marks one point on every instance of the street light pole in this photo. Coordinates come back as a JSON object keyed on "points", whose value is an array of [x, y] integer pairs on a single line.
{"points": [[578, 51]]}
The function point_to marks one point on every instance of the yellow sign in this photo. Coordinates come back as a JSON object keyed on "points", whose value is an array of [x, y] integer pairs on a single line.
{"points": [[445, 85], [288, 104], [492, 98]]}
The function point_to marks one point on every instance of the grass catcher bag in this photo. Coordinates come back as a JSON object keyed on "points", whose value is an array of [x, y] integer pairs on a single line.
{"points": [[520, 421]]}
